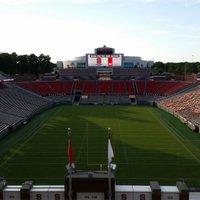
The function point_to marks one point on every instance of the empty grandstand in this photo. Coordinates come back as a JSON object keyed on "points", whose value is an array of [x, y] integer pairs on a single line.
{"points": [[17, 106], [185, 106], [106, 78], [133, 90], [102, 77]]}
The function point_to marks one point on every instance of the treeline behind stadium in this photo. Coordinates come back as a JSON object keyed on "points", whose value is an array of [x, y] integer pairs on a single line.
{"points": [[23, 64], [180, 68]]}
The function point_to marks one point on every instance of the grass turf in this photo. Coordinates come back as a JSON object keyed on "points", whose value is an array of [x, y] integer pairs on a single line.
{"points": [[149, 144]]}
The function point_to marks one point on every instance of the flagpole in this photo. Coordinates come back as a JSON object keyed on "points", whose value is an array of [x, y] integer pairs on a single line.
{"points": [[109, 170], [70, 167]]}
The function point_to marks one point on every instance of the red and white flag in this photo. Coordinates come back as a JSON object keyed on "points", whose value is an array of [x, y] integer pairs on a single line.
{"points": [[70, 155]]}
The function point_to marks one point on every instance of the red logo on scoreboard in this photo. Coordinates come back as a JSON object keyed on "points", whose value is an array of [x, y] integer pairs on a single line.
{"points": [[110, 61], [98, 60], [142, 197]]}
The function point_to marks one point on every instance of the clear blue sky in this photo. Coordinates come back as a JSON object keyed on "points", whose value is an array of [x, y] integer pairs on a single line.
{"points": [[159, 30]]}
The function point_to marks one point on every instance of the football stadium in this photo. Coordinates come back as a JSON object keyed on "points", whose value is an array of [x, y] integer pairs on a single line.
{"points": [[101, 127]]}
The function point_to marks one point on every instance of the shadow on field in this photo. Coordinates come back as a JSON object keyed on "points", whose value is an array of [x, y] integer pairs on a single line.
{"points": [[139, 158]]}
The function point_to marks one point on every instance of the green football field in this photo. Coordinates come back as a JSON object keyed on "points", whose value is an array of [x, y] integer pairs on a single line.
{"points": [[148, 145]]}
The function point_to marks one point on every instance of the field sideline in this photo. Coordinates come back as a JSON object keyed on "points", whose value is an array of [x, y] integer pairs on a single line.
{"points": [[149, 144]]}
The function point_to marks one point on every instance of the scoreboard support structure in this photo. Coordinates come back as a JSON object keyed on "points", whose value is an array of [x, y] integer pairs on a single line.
{"points": [[90, 185]]}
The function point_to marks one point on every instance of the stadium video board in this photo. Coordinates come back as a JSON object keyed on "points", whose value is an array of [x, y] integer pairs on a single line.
{"points": [[94, 60]]}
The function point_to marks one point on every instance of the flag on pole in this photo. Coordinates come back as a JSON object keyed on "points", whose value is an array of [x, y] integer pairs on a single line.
{"points": [[110, 157], [110, 151], [70, 155], [71, 165]]}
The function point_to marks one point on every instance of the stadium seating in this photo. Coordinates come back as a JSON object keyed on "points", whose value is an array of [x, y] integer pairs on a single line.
{"points": [[140, 85], [162, 88], [130, 87], [4, 128], [70, 91], [68, 87], [104, 87], [79, 86], [56, 87], [116, 87], [90, 87], [46, 88], [177, 86], [17, 106], [132, 72], [153, 87], [75, 73], [92, 72], [185, 105], [61, 99], [2, 85]]}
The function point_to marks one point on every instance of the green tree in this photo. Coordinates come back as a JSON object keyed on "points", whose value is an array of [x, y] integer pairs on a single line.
{"points": [[33, 64], [6, 63], [22, 64], [44, 64], [158, 68]]}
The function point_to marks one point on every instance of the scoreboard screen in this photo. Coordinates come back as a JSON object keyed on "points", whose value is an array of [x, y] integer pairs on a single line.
{"points": [[95, 60]]}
